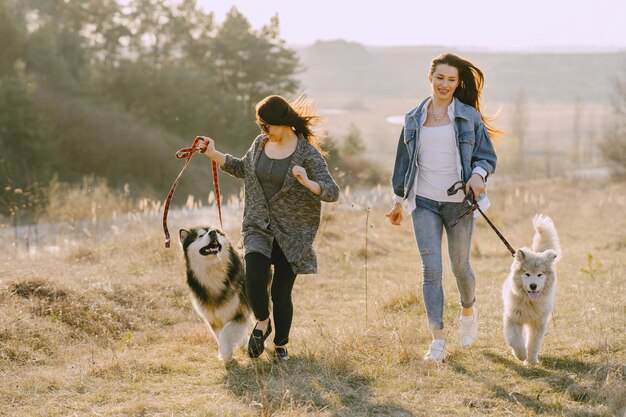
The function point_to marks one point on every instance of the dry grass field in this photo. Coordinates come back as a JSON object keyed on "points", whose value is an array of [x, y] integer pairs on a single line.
{"points": [[104, 326]]}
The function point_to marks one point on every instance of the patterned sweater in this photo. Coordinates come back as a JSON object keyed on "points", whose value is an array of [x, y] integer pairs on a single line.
{"points": [[292, 215]]}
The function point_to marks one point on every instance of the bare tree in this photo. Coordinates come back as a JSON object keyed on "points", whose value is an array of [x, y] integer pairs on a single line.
{"points": [[519, 124], [353, 143], [548, 153], [591, 151], [613, 146], [578, 152]]}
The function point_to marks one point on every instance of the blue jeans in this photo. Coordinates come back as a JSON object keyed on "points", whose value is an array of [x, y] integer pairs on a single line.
{"points": [[429, 219]]}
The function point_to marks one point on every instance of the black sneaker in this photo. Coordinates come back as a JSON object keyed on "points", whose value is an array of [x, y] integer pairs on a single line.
{"points": [[256, 343], [280, 354]]}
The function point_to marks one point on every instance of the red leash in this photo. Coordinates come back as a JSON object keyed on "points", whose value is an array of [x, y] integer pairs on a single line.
{"points": [[188, 153]]}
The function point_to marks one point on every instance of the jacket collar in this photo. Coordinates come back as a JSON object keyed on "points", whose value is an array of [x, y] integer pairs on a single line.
{"points": [[458, 108]]}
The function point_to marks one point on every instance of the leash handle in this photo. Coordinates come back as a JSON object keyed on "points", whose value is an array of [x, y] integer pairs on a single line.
{"points": [[187, 153], [473, 205]]}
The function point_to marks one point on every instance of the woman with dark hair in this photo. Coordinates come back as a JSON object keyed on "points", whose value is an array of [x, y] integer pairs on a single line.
{"points": [[445, 139], [285, 180]]}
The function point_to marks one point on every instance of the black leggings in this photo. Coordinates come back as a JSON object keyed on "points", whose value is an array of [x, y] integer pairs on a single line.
{"points": [[257, 280]]}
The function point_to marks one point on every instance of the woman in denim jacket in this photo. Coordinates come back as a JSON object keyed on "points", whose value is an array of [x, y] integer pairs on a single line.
{"points": [[445, 139]]}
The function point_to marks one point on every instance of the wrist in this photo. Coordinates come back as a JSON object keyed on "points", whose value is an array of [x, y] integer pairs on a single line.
{"points": [[481, 172], [479, 176], [397, 199], [314, 187]]}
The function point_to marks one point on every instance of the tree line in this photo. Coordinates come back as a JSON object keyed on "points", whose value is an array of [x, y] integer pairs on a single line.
{"points": [[97, 87]]}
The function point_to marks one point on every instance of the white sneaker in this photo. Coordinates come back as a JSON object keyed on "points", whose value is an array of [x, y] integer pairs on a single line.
{"points": [[437, 351], [469, 328]]}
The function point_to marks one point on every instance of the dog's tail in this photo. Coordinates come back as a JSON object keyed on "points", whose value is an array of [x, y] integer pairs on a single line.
{"points": [[546, 236]]}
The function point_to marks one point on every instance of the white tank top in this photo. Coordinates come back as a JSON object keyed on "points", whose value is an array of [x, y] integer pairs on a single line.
{"points": [[438, 160]]}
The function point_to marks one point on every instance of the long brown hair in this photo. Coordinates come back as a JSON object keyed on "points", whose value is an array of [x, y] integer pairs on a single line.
{"points": [[471, 81], [300, 113]]}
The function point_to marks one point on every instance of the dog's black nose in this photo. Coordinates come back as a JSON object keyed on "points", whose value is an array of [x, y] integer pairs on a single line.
{"points": [[213, 235], [533, 287]]}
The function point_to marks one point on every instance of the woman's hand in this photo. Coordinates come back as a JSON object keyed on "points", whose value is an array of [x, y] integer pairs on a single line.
{"points": [[396, 215], [208, 148], [476, 184], [300, 174]]}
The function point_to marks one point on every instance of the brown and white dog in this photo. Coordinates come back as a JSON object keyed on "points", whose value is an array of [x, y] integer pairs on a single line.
{"points": [[216, 278]]}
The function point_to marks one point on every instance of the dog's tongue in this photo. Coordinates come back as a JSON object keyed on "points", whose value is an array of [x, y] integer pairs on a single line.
{"points": [[533, 295], [208, 250]]}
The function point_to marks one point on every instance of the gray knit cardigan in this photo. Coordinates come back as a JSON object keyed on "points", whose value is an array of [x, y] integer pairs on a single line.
{"points": [[292, 215]]}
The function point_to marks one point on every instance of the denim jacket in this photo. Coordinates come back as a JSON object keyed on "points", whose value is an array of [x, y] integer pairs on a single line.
{"points": [[474, 144]]}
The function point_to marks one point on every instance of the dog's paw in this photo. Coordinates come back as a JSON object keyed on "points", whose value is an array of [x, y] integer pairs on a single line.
{"points": [[531, 361], [519, 353], [225, 358]]}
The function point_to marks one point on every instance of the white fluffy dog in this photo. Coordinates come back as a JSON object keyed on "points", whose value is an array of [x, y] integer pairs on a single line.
{"points": [[529, 292]]}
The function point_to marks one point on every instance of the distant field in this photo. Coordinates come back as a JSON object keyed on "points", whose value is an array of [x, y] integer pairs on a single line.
{"points": [[371, 83], [550, 126], [347, 68]]}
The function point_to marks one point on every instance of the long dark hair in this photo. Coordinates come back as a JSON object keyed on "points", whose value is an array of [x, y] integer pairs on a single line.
{"points": [[300, 113], [471, 81]]}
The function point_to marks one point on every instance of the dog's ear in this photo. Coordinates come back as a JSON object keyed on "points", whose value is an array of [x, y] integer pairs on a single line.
{"points": [[550, 255], [182, 233], [520, 255]]}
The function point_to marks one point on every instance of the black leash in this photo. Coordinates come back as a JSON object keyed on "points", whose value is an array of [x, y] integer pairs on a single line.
{"points": [[473, 205]]}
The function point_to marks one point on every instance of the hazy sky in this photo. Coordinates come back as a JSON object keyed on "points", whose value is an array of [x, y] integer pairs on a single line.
{"points": [[484, 24]]}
